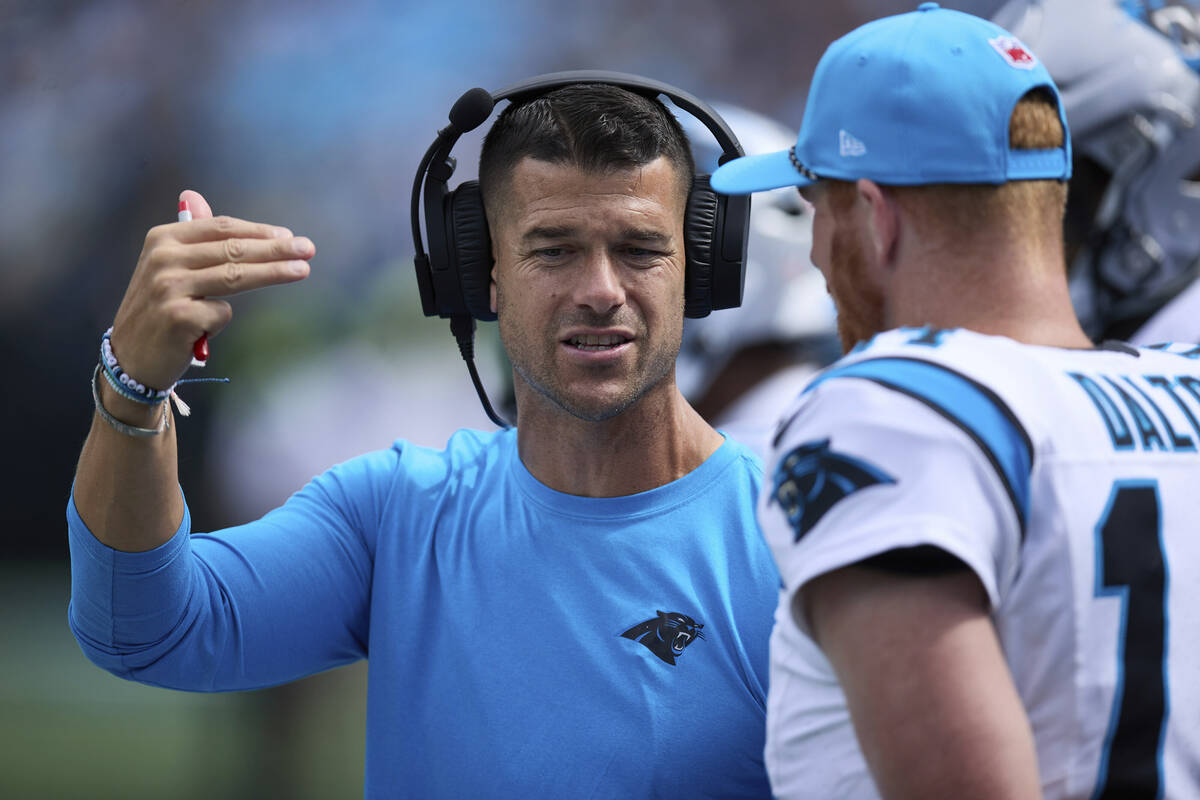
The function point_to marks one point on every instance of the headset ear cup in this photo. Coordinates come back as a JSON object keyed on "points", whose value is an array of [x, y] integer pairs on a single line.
{"points": [[472, 246], [699, 234]]}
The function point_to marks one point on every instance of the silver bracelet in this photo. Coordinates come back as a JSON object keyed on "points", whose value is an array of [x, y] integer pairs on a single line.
{"points": [[121, 427]]}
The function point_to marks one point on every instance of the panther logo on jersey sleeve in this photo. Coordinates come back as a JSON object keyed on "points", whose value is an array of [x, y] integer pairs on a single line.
{"points": [[812, 478], [666, 635]]}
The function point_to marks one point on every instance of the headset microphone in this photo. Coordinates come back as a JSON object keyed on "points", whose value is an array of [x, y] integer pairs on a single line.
{"points": [[454, 277], [468, 112], [471, 110]]}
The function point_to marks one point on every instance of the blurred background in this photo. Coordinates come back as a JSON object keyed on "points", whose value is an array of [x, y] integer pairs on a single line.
{"points": [[311, 115]]}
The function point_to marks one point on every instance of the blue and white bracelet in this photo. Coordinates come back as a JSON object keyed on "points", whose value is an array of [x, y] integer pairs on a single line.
{"points": [[126, 386]]}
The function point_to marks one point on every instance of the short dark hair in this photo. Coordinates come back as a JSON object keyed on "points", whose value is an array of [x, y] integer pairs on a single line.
{"points": [[594, 126]]}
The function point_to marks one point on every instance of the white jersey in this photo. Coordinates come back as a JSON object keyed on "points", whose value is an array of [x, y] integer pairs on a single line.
{"points": [[1068, 481]]}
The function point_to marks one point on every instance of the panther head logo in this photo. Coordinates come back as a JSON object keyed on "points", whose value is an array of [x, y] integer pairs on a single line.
{"points": [[812, 478], [667, 634]]}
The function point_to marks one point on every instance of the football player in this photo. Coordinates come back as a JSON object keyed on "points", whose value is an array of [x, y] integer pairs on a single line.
{"points": [[986, 525]]}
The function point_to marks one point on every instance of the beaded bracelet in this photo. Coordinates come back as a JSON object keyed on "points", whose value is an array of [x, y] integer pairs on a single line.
{"points": [[122, 382], [136, 391], [118, 426]]}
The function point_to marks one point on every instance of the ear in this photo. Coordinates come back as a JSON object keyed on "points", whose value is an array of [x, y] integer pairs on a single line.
{"points": [[493, 229], [882, 219]]}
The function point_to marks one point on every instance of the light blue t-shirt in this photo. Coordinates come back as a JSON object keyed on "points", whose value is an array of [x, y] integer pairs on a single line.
{"points": [[522, 642]]}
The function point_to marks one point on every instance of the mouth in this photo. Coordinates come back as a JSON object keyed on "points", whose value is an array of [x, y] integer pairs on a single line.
{"points": [[596, 342]]}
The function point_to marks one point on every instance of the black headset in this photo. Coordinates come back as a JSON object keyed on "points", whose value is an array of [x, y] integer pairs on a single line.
{"points": [[454, 278]]}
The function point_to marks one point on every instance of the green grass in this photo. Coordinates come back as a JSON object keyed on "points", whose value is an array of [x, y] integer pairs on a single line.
{"points": [[71, 730]]}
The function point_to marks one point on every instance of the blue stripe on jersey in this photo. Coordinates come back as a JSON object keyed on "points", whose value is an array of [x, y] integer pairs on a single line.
{"points": [[974, 408], [1177, 348]]}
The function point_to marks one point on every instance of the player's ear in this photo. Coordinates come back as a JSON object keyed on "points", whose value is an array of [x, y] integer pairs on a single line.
{"points": [[883, 221], [492, 288]]}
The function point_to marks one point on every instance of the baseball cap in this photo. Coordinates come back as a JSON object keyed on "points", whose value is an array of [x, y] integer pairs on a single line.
{"points": [[917, 98]]}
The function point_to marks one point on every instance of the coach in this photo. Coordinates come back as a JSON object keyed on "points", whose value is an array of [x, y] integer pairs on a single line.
{"points": [[577, 607]]}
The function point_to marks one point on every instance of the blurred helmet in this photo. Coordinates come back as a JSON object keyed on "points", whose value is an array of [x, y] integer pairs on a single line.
{"points": [[1128, 74], [785, 298]]}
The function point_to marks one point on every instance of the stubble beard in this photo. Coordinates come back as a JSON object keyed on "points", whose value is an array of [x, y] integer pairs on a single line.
{"points": [[859, 303], [539, 372]]}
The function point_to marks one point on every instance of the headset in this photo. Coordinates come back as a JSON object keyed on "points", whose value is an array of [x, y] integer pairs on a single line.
{"points": [[454, 277]]}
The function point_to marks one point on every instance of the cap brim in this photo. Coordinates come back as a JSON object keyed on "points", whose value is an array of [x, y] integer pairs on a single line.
{"points": [[757, 174]]}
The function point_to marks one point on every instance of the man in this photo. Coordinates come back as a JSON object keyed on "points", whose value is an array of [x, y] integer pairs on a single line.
{"points": [[1133, 217], [578, 607], [986, 526]]}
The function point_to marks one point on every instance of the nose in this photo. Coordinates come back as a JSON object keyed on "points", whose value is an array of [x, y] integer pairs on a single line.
{"points": [[600, 288]]}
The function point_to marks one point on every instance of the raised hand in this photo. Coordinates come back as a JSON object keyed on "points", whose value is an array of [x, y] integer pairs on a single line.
{"points": [[171, 300]]}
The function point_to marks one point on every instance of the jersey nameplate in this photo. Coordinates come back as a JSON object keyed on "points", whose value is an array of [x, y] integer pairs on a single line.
{"points": [[1134, 409]]}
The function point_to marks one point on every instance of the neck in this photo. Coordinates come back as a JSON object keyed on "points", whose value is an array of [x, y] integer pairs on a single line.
{"points": [[1004, 287], [657, 440]]}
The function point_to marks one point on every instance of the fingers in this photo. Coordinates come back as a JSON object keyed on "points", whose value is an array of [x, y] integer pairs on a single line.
{"points": [[232, 266], [214, 229], [208, 254], [234, 277], [226, 255]]}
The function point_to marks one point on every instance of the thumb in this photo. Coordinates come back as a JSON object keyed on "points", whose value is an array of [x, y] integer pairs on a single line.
{"points": [[196, 203]]}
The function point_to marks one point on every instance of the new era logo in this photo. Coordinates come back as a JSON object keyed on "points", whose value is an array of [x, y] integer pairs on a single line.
{"points": [[850, 146], [1013, 52]]}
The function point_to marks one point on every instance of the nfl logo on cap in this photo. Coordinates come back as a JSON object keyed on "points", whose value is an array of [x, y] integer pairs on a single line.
{"points": [[1013, 52]]}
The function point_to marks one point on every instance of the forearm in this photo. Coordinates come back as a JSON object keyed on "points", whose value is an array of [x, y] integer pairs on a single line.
{"points": [[126, 487]]}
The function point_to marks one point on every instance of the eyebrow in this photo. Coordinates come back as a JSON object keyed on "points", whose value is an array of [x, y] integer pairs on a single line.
{"points": [[564, 232], [645, 235], [547, 232]]}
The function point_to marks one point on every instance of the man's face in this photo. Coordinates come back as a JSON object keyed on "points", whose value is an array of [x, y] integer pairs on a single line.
{"points": [[840, 251], [588, 283]]}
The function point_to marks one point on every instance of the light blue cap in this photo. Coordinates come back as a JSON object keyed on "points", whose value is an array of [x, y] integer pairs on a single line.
{"points": [[918, 98]]}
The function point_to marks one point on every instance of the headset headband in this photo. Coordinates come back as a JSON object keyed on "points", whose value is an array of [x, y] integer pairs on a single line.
{"points": [[699, 109]]}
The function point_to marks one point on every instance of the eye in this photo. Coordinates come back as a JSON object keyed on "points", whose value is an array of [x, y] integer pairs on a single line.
{"points": [[551, 255], [643, 255]]}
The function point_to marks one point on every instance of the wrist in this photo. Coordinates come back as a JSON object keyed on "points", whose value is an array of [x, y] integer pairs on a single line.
{"points": [[124, 383], [136, 431], [139, 415]]}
